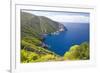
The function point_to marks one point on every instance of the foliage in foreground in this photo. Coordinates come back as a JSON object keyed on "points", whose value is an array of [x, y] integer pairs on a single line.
{"points": [[39, 54], [32, 48], [32, 51], [28, 57], [78, 52]]}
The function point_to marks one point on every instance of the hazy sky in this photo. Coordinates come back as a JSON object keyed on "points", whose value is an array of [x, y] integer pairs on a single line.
{"points": [[74, 17]]}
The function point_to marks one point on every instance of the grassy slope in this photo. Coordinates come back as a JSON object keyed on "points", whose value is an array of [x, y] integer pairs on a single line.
{"points": [[31, 25], [31, 50], [31, 37]]}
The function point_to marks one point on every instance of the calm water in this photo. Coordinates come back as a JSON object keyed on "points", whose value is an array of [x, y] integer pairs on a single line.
{"points": [[76, 34]]}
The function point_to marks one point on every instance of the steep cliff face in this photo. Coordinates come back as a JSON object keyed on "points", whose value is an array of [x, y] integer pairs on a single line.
{"points": [[33, 29], [32, 25]]}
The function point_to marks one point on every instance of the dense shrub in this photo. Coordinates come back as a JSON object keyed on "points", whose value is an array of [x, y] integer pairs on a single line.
{"points": [[78, 52]]}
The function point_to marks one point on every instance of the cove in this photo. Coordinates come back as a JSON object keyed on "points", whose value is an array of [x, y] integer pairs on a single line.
{"points": [[77, 33]]}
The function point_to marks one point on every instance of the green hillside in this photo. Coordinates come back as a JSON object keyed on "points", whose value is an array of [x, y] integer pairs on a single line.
{"points": [[32, 29], [32, 25], [32, 47]]}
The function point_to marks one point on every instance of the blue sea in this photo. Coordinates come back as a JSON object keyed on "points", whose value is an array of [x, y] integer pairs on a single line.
{"points": [[76, 33]]}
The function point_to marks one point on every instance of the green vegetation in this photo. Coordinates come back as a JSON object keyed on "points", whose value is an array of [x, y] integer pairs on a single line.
{"points": [[34, 53], [32, 49], [78, 52], [27, 56], [32, 28], [35, 26]]}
